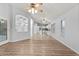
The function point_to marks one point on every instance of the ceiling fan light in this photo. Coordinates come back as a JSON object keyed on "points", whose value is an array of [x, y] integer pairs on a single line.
{"points": [[36, 11], [32, 10], [37, 5], [29, 10]]}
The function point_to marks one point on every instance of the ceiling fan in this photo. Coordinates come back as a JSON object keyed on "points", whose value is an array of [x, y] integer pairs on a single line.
{"points": [[35, 8]]}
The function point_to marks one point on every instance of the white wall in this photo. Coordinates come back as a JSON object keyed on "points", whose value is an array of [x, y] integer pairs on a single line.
{"points": [[71, 38], [4, 10], [72, 28], [17, 36], [5, 13]]}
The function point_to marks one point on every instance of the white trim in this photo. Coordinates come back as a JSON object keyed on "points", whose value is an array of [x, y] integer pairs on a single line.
{"points": [[31, 27], [20, 39], [66, 45], [69, 47], [4, 42]]}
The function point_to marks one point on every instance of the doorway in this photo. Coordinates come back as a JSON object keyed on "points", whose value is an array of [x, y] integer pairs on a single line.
{"points": [[3, 31]]}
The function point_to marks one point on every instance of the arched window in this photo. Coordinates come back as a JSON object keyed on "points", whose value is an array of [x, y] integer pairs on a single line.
{"points": [[21, 23]]}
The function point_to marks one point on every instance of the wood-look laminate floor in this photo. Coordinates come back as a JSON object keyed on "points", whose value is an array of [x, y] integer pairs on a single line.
{"points": [[37, 46]]}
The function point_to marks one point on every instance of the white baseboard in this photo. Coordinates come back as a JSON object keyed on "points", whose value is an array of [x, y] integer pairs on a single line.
{"points": [[4, 42], [19, 39], [67, 45]]}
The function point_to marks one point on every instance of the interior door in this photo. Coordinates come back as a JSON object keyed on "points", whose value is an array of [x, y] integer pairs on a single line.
{"points": [[3, 31]]}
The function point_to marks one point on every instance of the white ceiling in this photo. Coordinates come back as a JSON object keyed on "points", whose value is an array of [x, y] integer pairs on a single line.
{"points": [[50, 10]]}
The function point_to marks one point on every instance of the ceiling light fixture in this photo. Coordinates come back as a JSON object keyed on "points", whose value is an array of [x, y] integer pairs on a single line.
{"points": [[35, 7]]}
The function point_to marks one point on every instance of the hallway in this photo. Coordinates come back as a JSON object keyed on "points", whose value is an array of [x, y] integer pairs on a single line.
{"points": [[38, 46]]}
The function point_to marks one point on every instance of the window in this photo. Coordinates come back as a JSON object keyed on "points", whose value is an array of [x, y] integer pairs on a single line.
{"points": [[21, 23], [62, 27]]}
